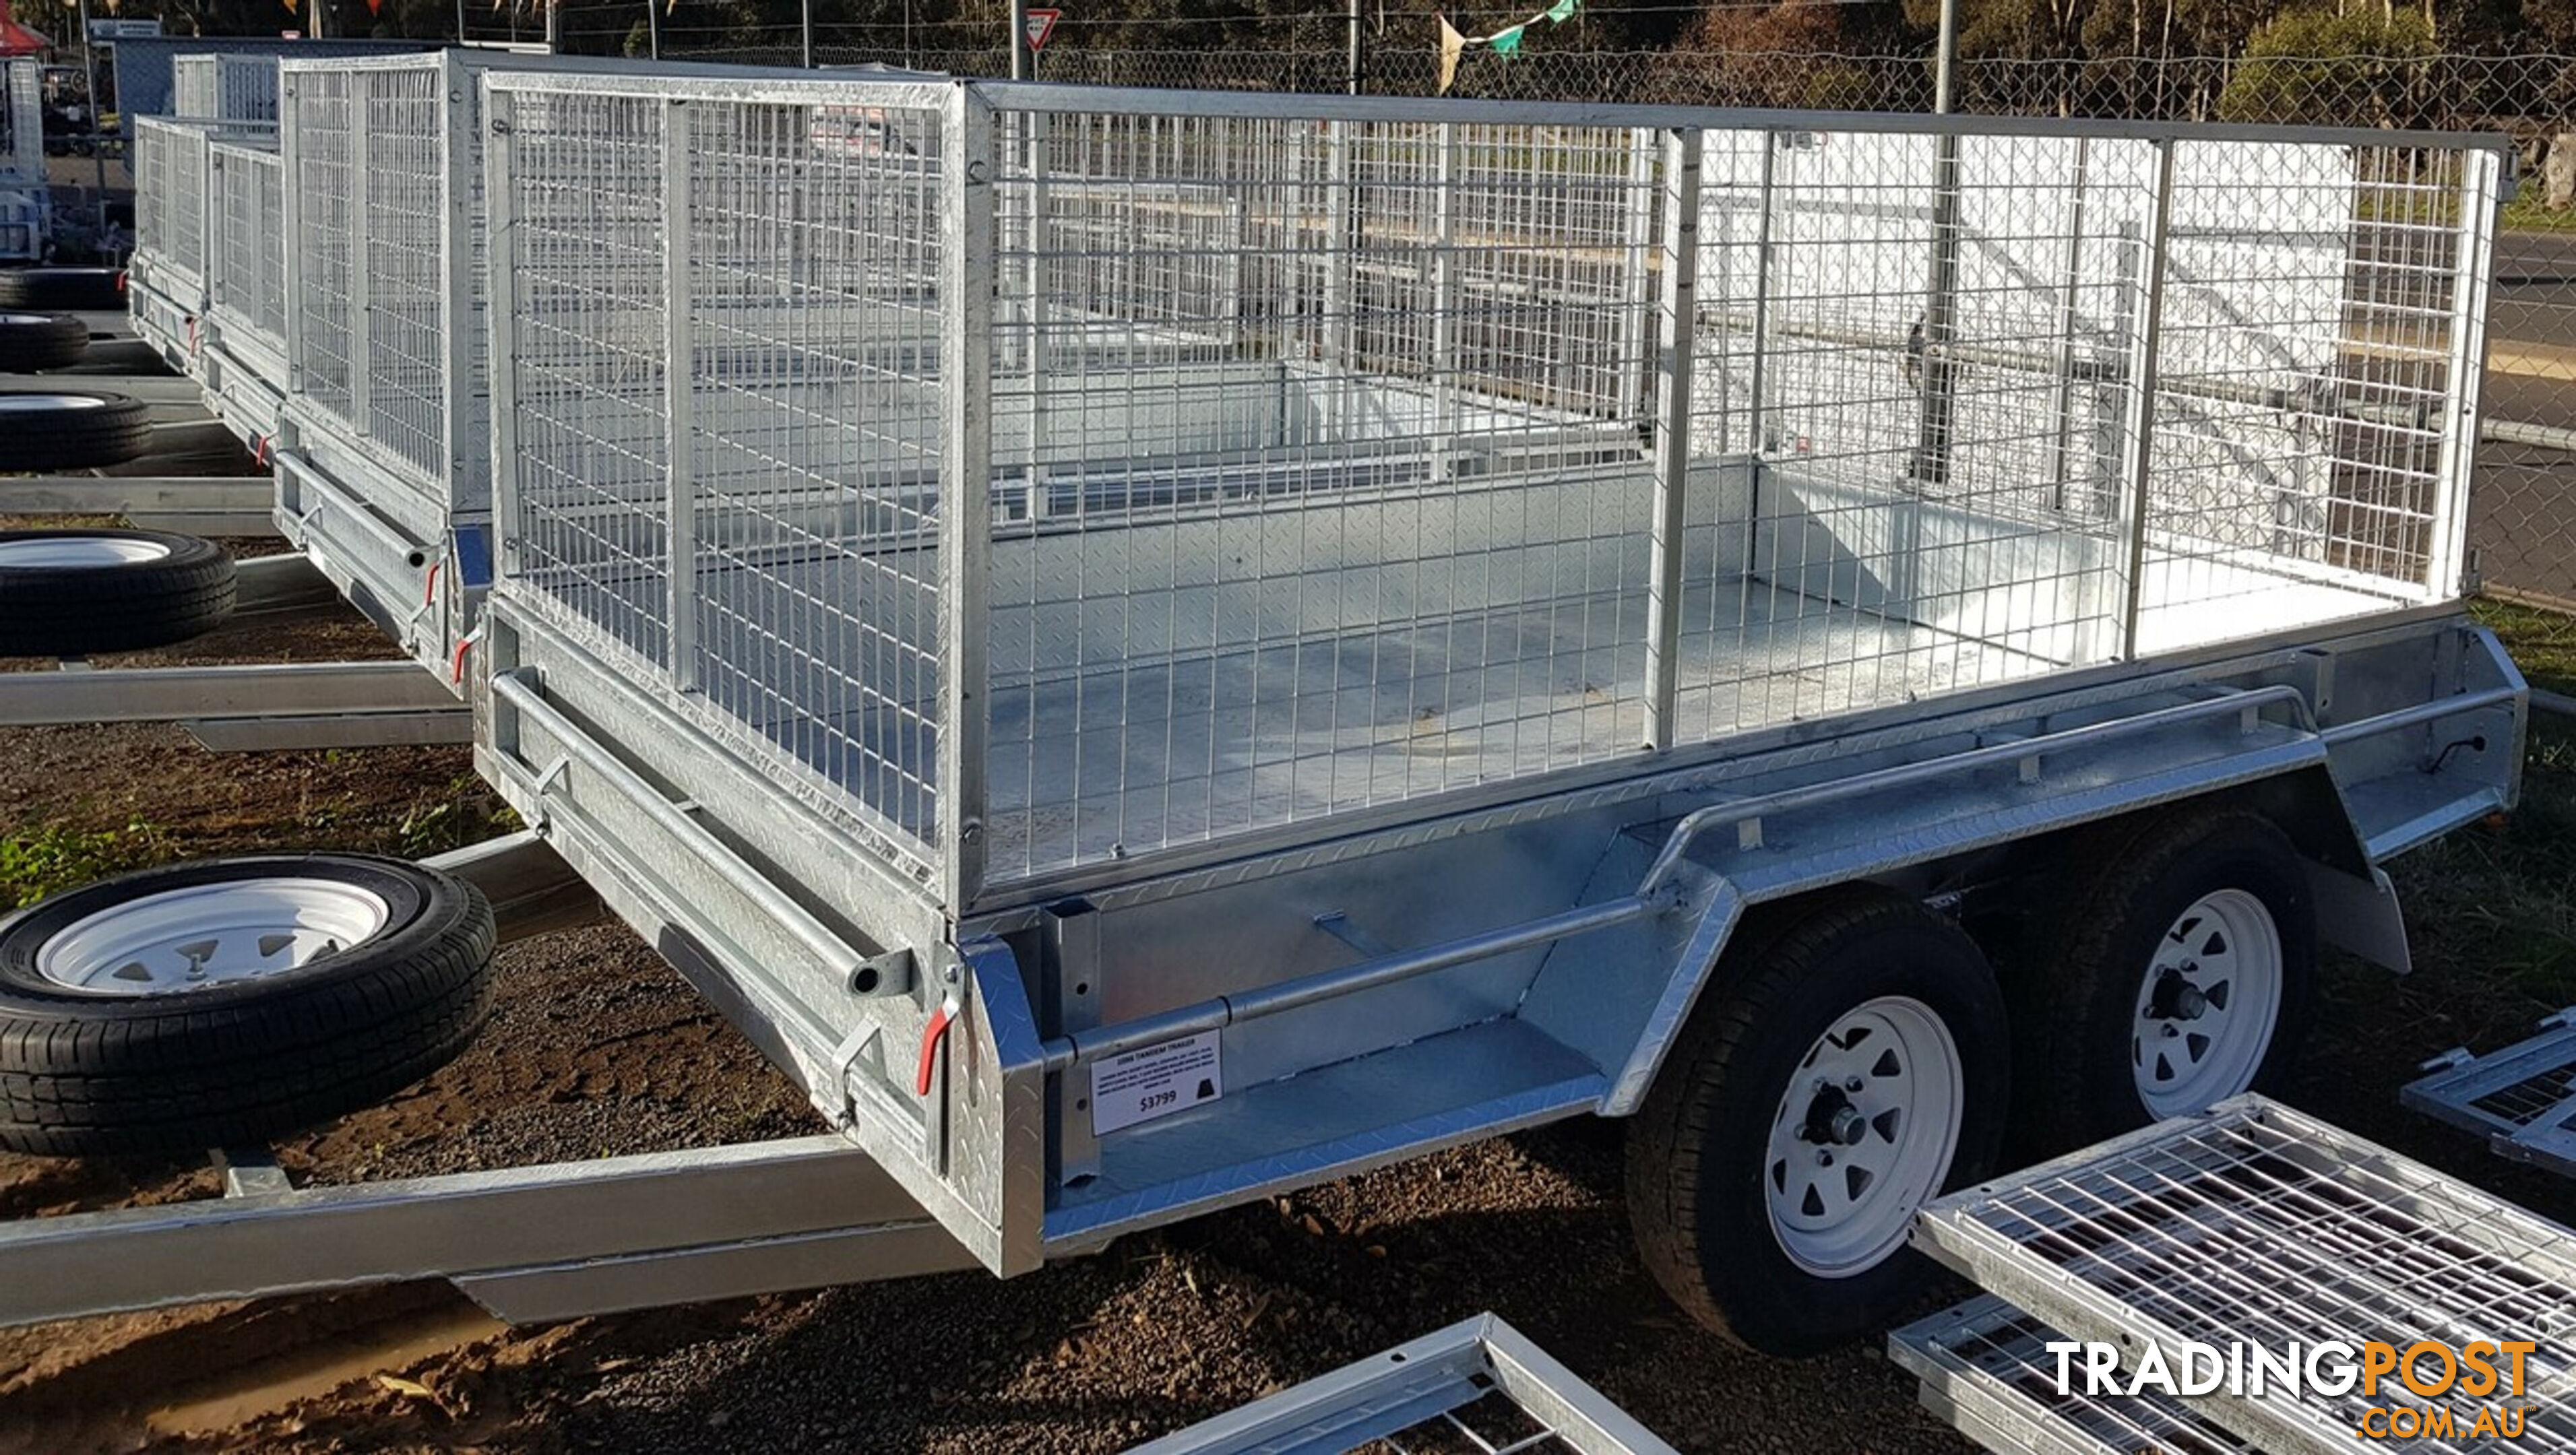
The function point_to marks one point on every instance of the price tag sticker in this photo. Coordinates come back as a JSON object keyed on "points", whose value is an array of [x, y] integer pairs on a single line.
{"points": [[1140, 1085]]}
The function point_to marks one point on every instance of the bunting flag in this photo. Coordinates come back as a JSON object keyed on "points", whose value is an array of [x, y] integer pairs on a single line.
{"points": [[1505, 42], [1451, 43]]}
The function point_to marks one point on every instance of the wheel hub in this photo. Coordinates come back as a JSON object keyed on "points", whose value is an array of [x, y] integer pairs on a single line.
{"points": [[2207, 1005], [2175, 998], [1864, 1134], [1833, 1121]]}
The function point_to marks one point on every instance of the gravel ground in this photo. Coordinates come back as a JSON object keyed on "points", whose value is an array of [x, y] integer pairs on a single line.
{"points": [[596, 1048]]}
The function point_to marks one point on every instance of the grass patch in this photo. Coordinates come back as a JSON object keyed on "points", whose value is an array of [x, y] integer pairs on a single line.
{"points": [[56, 856], [2543, 643], [2526, 214], [466, 812], [2502, 897]]}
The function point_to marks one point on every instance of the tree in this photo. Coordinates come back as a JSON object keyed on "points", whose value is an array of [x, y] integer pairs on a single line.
{"points": [[2326, 67]]}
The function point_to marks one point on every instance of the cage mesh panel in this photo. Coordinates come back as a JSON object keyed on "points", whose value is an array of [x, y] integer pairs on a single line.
{"points": [[192, 87], [151, 192], [177, 209], [1890, 548], [1321, 477], [592, 462], [22, 121], [320, 114], [405, 190], [816, 429], [2304, 389], [247, 286]]}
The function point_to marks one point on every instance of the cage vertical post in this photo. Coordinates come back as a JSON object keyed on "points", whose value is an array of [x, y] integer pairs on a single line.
{"points": [[2069, 312], [1643, 150], [1680, 343], [2479, 181], [966, 276], [679, 386], [1032, 282], [362, 351], [457, 143], [1931, 463], [2138, 454], [290, 224], [1338, 335], [501, 317], [1445, 303], [1756, 432]]}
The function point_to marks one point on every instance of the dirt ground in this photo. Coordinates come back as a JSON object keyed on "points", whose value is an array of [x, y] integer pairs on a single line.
{"points": [[596, 1048]]}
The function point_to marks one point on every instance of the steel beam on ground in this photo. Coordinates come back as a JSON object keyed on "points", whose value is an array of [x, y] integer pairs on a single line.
{"points": [[218, 505], [267, 691], [283, 582], [531, 889], [531, 1232]]}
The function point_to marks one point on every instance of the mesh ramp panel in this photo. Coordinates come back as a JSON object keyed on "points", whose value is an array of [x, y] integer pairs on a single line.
{"points": [[2254, 1223]]}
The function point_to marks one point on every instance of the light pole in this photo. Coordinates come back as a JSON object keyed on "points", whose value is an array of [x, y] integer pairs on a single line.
{"points": [[97, 118]]}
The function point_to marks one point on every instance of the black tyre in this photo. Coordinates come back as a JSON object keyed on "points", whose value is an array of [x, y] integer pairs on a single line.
{"points": [[70, 429], [97, 290], [33, 341], [69, 593], [1848, 1063], [226, 1002], [2178, 973]]}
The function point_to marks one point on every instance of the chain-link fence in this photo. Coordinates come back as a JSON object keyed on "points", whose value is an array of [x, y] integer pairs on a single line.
{"points": [[2523, 526]]}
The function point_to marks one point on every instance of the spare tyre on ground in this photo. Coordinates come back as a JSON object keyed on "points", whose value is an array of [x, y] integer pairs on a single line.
{"points": [[70, 593], [31, 342], [97, 290], [226, 1002], [71, 429]]}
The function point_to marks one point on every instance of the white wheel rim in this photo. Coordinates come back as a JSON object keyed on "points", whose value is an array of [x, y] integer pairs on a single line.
{"points": [[210, 934], [25, 318], [2207, 1008], [1864, 1136], [49, 402], [79, 551]]}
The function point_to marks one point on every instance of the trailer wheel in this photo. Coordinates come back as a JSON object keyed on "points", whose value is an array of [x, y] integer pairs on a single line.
{"points": [[225, 1002], [2177, 975], [30, 342], [1850, 1066], [71, 429], [98, 290], [68, 593]]}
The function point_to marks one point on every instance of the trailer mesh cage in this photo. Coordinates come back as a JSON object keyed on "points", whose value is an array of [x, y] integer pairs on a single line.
{"points": [[224, 86], [22, 123], [1337, 456], [246, 277], [369, 150]]}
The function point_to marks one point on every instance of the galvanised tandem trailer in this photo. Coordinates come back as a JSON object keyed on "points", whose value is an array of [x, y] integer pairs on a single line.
{"points": [[1153, 648]]}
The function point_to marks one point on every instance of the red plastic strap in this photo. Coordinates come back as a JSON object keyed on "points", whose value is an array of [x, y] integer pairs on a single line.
{"points": [[192, 333], [931, 1035], [429, 596], [456, 669], [120, 280]]}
